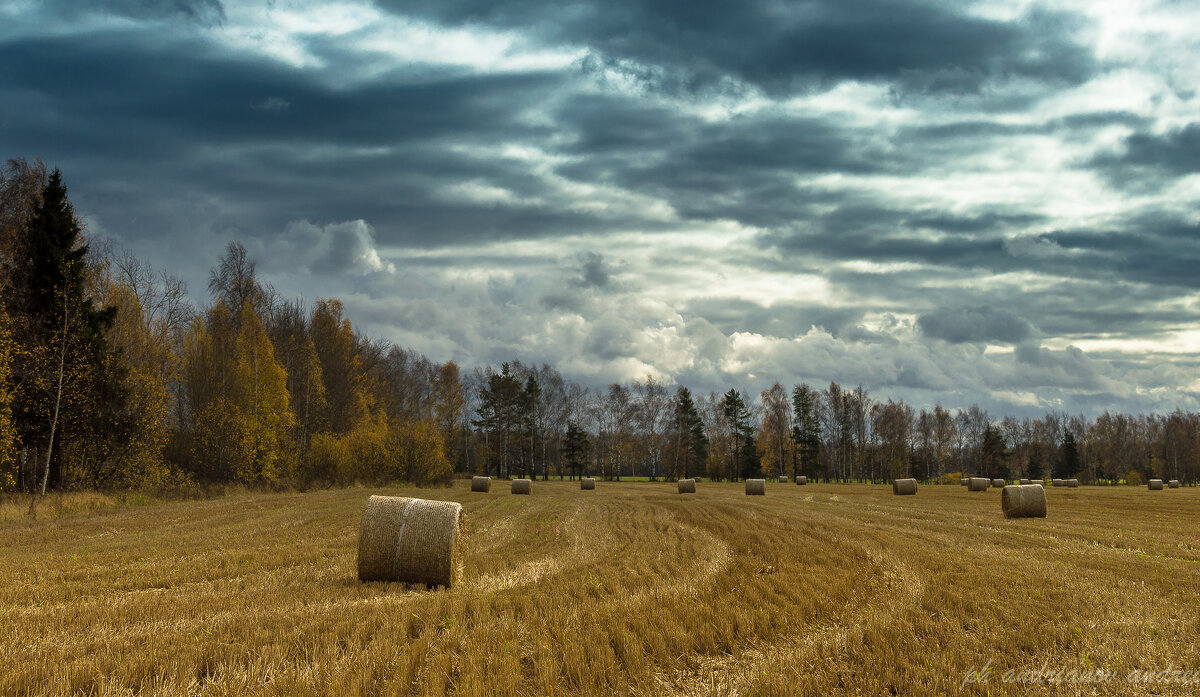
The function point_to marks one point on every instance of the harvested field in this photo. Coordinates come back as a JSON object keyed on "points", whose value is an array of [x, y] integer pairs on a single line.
{"points": [[631, 590]]}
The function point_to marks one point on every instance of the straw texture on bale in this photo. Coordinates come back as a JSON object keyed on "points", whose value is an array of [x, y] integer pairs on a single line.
{"points": [[1155, 485], [782, 479], [1174, 484], [687, 486], [1023, 501], [997, 483], [521, 486], [756, 487], [802, 479], [1056, 482], [409, 540], [587, 483], [483, 484], [904, 487], [1071, 483], [977, 484]]}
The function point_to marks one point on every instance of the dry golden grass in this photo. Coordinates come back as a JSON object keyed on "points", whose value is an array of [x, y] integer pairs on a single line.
{"points": [[633, 590]]}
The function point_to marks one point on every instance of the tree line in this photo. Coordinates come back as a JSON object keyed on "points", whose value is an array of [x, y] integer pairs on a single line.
{"points": [[110, 378]]}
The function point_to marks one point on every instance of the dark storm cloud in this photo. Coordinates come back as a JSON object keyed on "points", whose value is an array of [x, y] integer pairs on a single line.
{"points": [[1145, 159], [924, 46], [594, 271], [785, 319], [204, 11], [960, 325]]}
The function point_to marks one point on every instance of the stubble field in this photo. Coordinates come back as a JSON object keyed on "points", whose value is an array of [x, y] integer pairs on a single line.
{"points": [[630, 589]]}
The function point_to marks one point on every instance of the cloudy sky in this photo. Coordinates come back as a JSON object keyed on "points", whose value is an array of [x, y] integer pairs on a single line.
{"points": [[946, 201]]}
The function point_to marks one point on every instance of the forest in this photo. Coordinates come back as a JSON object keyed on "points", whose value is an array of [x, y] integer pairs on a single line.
{"points": [[112, 378]]}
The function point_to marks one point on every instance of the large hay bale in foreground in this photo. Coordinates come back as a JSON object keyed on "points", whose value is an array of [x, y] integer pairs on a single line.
{"points": [[1056, 482], [997, 483], [687, 486], [783, 479], [802, 480], [1174, 484], [409, 540], [977, 484], [587, 483], [521, 486], [756, 487], [483, 484], [904, 487], [1024, 481], [1071, 483], [1155, 484], [1023, 501]]}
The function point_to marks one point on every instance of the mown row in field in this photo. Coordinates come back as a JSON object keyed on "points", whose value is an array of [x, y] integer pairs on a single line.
{"points": [[628, 589]]}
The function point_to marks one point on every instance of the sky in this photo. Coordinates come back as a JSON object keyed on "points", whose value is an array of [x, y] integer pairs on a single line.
{"points": [[944, 201]]}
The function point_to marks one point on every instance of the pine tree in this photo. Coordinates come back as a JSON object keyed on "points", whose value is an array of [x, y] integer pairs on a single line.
{"points": [[744, 456], [1068, 465], [68, 388], [806, 430], [575, 449]]}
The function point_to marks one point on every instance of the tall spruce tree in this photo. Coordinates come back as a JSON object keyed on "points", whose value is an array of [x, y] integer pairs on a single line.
{"points": [[806, 430], [67, 386]]}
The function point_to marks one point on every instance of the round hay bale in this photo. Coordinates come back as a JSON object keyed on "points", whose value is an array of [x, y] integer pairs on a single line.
{"points": [[409, 540], [1023, 501], [964, 480], [521, 486], [904, 487], [783, 479], [1038, 482], [687, 486], [1071, 483], [1174, 484], [1024, 481], [483, 484], [1056, 482], [756, 487], [801, 480], [977, 484], [997, 483], [1155, 484], [588, 483]]}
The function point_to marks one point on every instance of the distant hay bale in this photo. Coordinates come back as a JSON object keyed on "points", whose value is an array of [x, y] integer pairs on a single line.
{"points": [[1174, 484], [904, 487], [1023, 501], [409, 540], [483, 484], [997, 483], [521, 486], [1023, 481], [801, 480], [1071, 483], [756, 487], [977, 484], [1038, 482], [1056, 482], [587, 483], [1155, 485], [783, 479], [964, 480], [687, 486]]}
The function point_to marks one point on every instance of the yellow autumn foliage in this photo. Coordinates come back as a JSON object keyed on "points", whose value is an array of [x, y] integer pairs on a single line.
{"points": [[239, 400], [9, 443]]}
